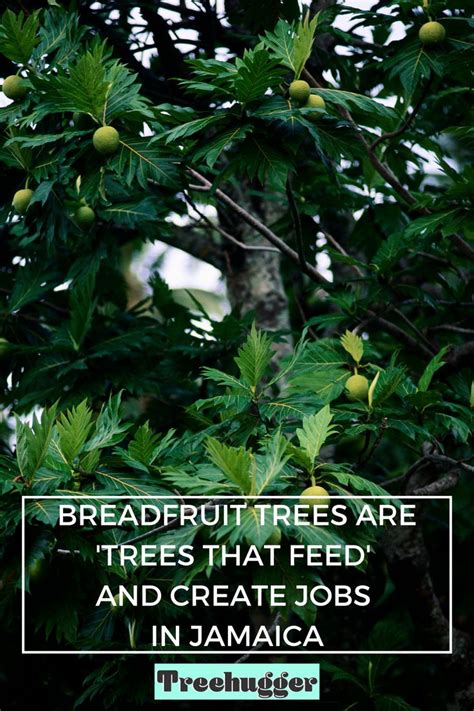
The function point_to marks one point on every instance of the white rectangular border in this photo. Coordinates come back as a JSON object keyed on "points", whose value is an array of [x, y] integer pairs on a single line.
{"points": [[240, 651]]}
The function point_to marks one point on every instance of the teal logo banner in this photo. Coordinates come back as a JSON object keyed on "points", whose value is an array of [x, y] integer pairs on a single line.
{"points": [[214, 682]]}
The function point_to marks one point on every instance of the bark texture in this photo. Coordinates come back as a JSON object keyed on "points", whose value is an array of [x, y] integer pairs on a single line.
{"points": [[254, 278]]}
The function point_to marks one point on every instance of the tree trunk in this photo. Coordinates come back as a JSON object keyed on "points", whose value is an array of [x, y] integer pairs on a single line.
{"points": [[254, 278]]}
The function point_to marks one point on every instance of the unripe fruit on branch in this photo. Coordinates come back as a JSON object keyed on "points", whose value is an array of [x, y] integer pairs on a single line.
{"points": [[299, 91], [432, 33], [84, 217], [315, 102], [21, 200], [14, 87], [106, 140], [315, 496], [357, 387]]}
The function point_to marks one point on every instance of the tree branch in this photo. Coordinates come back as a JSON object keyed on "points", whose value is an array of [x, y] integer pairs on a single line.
{"points": [[411, 325], [450, 327], [383, 170], [265, 231], [400, 334], [447, 482], [443, 459], [408, 121], [332, 240], [227, 235], [423, 462]]}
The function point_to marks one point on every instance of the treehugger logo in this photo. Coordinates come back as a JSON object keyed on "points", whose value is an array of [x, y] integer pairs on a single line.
{"points": [[237, 681]]}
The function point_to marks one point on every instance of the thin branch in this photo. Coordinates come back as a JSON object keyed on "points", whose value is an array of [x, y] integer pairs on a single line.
{"points": [[185, 237], [304, 318], [197, 245], [433, 257], [463, 246], [411, 325], [254, 222], [443, 459], [227, 235], [378, 439], [383, 170], [407, 122], [332, 240], [422, 462], [447, 482], [400, 334], [448, 327]]}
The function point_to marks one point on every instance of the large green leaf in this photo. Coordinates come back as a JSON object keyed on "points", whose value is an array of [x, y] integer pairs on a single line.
{"points": [[314, 432], [270, 466], [142, 160], [292, 43], [412, 64], [73, 427], [352, 101], [60, 35], [225, 380], [256, 72], [33, 442], [109, 428], [145, 448], [84, 88], [358, 483], [132, 213], [254, 357], [18, 35], [433, 366], [261, 159], [31, 283], [353, 344], [250, 529], [237, 463], [211, 148], [191, 127]]}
